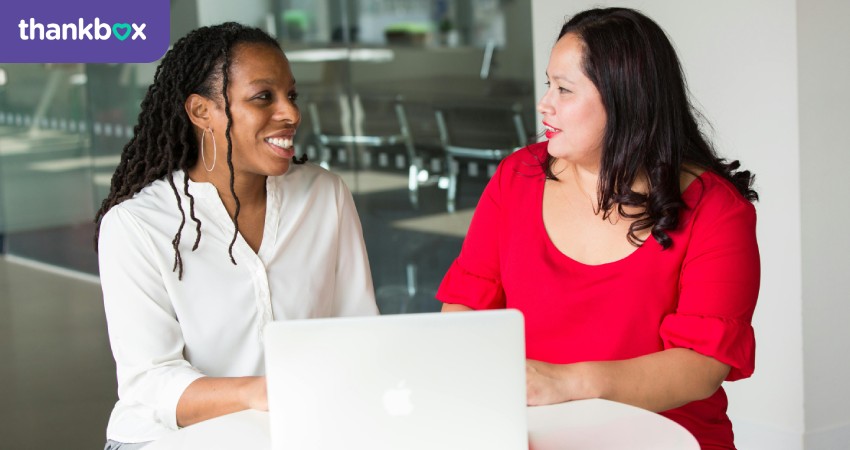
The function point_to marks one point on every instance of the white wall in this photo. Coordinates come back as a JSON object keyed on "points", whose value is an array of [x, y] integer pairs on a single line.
{"points": [[824, 49], [740, 60]]}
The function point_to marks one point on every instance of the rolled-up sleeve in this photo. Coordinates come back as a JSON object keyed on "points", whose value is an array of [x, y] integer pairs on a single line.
{"points": [[718, 289], [474, 278], [144, 332]]}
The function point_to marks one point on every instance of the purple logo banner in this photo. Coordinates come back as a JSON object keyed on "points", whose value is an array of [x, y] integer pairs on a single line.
{"points": [[83, 31]]}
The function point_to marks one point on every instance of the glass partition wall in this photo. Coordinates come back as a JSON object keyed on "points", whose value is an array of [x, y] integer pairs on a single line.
{"points": [[46, 197], [384, 86]]}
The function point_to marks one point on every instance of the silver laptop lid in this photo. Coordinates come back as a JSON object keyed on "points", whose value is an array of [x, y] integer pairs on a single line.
{"points": [[414, 381]]}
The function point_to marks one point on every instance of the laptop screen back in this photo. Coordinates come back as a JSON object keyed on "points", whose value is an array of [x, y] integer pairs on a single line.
{"points": [[415, 381]]}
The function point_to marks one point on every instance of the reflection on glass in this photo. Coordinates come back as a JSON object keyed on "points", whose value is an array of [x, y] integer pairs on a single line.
{"points": [[372, 75], [45, 164]]}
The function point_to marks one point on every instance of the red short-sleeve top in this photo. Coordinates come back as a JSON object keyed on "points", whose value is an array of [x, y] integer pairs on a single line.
{"points": [[699, 293]]}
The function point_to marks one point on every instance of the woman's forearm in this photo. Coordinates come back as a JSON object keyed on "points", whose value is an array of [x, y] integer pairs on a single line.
{"points": [[657, 382], [452, 307], [210, 397]]}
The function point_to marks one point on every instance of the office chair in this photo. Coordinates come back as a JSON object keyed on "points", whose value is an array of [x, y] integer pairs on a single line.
{"points": [[486, 132], [364, 122]]}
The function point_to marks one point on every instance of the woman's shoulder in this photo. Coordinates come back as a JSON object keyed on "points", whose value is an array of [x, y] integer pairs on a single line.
{"points": [[309, 178], [154, 203], [532, 155], [147, 195], [311, 171], [713, 195], [526, 162]]}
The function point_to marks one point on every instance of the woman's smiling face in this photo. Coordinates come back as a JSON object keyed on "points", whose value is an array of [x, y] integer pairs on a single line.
{"points": [[572, 109], [261, 91]]}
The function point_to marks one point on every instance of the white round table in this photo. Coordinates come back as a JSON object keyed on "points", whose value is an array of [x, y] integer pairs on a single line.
{"points": [[578, 425]]}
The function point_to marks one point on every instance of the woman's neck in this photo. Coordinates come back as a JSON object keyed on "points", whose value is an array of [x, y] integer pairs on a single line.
{"points": [[584, 177]]}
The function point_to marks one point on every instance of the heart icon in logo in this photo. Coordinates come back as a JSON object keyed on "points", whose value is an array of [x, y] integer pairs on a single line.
{"points": [[121, 26]]}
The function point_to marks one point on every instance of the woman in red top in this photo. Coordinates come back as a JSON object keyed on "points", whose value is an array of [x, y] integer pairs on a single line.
{"points": [[627, 243]]}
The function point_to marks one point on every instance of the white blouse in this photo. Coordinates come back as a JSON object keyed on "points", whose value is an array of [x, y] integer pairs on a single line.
{"points": [[165, 333]]}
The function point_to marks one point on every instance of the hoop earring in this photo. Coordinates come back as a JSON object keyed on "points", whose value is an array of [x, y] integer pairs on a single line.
{"points": [[215, 150]]}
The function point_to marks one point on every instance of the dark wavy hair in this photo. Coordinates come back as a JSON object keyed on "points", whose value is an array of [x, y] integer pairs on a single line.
{"points": [[164, 138], [652, 128]]}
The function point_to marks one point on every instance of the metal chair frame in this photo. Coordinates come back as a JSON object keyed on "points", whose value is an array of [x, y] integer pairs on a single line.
{"points": [[358, 138], [455, 152]]}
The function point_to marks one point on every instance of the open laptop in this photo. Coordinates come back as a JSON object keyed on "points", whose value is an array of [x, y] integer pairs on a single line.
{"points": [[405, 382]]}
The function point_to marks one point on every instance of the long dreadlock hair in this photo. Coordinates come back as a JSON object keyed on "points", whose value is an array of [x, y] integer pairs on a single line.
{"points": [[652, 127], [164, 138]]}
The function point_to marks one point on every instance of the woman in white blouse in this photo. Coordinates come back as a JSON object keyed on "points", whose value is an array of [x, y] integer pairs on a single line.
{"points": [[212, 228]]}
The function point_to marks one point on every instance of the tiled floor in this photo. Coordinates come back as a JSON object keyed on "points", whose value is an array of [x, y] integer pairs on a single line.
{"points": [[57, 376]]}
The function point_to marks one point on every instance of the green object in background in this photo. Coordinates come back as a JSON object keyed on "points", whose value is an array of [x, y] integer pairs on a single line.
{"points": [[295, 23], [407, 33], [445, 25], [408, 27]]}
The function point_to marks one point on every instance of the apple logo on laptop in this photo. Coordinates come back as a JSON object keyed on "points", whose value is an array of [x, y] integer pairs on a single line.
{"points": [[397, 400]]}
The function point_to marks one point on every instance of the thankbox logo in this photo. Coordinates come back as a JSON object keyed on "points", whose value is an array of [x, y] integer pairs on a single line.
{"points": [[97, 30], [84, 31]]}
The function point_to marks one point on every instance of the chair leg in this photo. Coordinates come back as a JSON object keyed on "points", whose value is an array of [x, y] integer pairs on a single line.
{"points": [[413, 184], [325, 157], [451, 192], [414, 161]]}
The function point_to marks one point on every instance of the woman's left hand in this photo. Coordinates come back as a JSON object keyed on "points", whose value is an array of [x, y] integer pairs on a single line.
{"points": [[547, 383]]}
